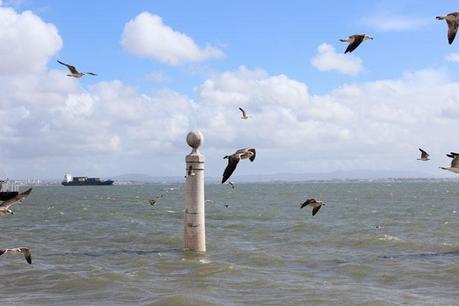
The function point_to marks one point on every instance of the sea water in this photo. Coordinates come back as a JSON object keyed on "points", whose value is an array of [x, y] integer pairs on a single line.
{"points": [[374, 243]]}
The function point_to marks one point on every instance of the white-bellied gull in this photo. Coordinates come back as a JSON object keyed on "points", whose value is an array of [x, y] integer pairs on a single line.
{"points": [[74, 72], [244, 114], [424, 155], [452, 20], [24, 251], [454, 163], [234, 159], [316, 205], [354, 41]]}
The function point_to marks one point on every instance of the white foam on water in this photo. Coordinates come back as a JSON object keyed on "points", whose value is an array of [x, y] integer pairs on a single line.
{"points": [[389, 238]]}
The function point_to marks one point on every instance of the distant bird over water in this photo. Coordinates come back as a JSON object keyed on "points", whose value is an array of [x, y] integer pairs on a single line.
{"points": [[452, 20], [244, 114], [354, 41], [74, 72], [424, 155], [231, 184], [5, 206], [454, 163], [24, 251], [234, 159], [316, 205]]}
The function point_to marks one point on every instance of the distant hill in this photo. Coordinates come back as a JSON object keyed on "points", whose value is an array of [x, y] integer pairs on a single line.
{"points": [[145, 178], [337, 175], [292, 177]]}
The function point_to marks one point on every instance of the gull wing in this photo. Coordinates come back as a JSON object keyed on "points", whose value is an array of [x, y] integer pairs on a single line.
{"points": [[356, 40], [424, 154], [17, 199], [243, 111], [91, 73], [252, 158], [316, 209], [70, 67], [308, 202], [233, 160], [452, 30], [27, 254]]}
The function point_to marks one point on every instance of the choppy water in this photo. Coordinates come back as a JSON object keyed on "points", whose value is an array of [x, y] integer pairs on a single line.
{"points": [[372, 244]]}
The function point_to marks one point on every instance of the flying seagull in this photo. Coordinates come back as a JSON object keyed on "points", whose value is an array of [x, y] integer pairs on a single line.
{"points": [[75, 73], [354, 41], [5, 206], [454, 163], [452, 20], [316, 205], [233, 159], [244, 115], [231, 184], [424, 155], [154, 201], [25, 251]]}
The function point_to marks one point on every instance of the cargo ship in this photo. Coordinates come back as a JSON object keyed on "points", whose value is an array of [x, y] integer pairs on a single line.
{"points": [[84, 181]]}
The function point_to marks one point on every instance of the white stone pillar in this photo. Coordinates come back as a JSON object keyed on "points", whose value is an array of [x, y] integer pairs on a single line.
{"points": [[194, 221]]}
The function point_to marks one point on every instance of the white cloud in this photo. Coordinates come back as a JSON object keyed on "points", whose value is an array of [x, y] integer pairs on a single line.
{"points": [[147, 36], [453, 57], [388, 22], [327, 59], [51, 125], [26, 42]]}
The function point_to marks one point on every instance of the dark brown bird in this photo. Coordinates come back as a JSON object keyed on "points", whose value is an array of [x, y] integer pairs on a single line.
{"points": [[24, 251], [234, 159], [354, 41], [452, 20], [316, 205]]}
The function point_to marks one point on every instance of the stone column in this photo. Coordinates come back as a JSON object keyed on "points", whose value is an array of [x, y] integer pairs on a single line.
{"points": [[194, 221]]}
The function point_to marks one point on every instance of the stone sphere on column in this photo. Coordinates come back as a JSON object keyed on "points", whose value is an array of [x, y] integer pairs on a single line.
{"points": [[194, 139]]}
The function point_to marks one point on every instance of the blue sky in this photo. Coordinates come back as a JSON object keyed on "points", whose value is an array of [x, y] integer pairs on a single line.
{"points": [[278, 36], [280, 60]]}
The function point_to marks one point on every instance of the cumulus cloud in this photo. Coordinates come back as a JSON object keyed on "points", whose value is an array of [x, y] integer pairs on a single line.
{"points": [[327, 59], [27, 42], [51, 125], [147, 36], [389, 22]]}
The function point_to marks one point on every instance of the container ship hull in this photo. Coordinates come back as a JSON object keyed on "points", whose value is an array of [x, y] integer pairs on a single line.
{"points": [[84, 181], [100, 183]]}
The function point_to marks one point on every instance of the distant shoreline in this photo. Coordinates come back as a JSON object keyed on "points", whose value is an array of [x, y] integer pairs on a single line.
{"points": [[216, 180]]}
